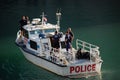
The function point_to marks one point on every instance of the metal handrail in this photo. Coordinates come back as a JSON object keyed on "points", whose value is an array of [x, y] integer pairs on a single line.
{"points": [[92, 49], [85, 44]]}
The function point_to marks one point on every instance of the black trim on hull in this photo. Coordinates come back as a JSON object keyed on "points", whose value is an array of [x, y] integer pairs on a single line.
{"points": [[23, 47]]}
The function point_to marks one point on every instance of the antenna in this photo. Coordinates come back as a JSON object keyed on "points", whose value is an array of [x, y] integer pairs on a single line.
{"points": [[43, 18], [58, 15]]}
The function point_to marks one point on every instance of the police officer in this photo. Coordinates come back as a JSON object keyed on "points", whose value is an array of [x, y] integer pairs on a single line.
{"points": [[22, 22], [56, 40], [68, 39]]}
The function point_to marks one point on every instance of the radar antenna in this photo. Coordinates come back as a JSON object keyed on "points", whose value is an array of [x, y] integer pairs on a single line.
{"points": [[43, 18], [58, 15]]}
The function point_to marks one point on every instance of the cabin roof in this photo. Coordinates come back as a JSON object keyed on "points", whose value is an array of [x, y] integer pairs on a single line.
{"points": [[31, 27]]}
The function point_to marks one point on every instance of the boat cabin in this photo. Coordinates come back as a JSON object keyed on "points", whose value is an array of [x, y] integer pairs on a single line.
{"points": [[38, 37]]}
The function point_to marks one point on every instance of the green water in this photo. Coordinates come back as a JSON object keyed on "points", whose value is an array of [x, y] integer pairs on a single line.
{"points": [[97, 22]]}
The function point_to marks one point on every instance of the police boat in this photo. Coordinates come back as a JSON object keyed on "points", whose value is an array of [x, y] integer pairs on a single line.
{"points": [[35, 42]]}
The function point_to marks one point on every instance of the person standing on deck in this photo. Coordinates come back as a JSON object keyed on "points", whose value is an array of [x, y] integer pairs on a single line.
{"points": [[22, 22], [27, 19], [68, 39], [56, 40], [71, 34]]}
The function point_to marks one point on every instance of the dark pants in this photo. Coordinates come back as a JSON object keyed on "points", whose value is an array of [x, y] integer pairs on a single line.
{"points": [[56, 45], [68, 45]]}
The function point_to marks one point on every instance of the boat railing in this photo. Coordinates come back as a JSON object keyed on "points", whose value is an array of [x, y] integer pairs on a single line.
{"points": [[87, 47]]}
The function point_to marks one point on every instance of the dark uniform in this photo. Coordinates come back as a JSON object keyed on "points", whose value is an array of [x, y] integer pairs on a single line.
{"points": [[68, 40], [22, 23], [56, 41], [71, 35]]}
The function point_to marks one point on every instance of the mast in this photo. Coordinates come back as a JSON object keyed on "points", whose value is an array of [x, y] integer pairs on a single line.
{"points": [[58, 15], [42, 18]]}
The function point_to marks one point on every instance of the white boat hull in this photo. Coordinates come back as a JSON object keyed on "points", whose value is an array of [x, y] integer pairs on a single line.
{"points": [[72, 71], [36, 41]]}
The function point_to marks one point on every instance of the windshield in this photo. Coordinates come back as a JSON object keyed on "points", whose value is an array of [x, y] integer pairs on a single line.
{"points": [[49, 30], [35, 32]]}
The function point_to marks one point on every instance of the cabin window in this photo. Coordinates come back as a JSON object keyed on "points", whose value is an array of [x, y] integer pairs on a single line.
{"points": [[25, 33], [49, 30], [35, 32], [33, 45]]}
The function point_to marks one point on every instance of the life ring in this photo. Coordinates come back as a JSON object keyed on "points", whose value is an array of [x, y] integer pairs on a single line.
{"points": [[19, 34]]}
